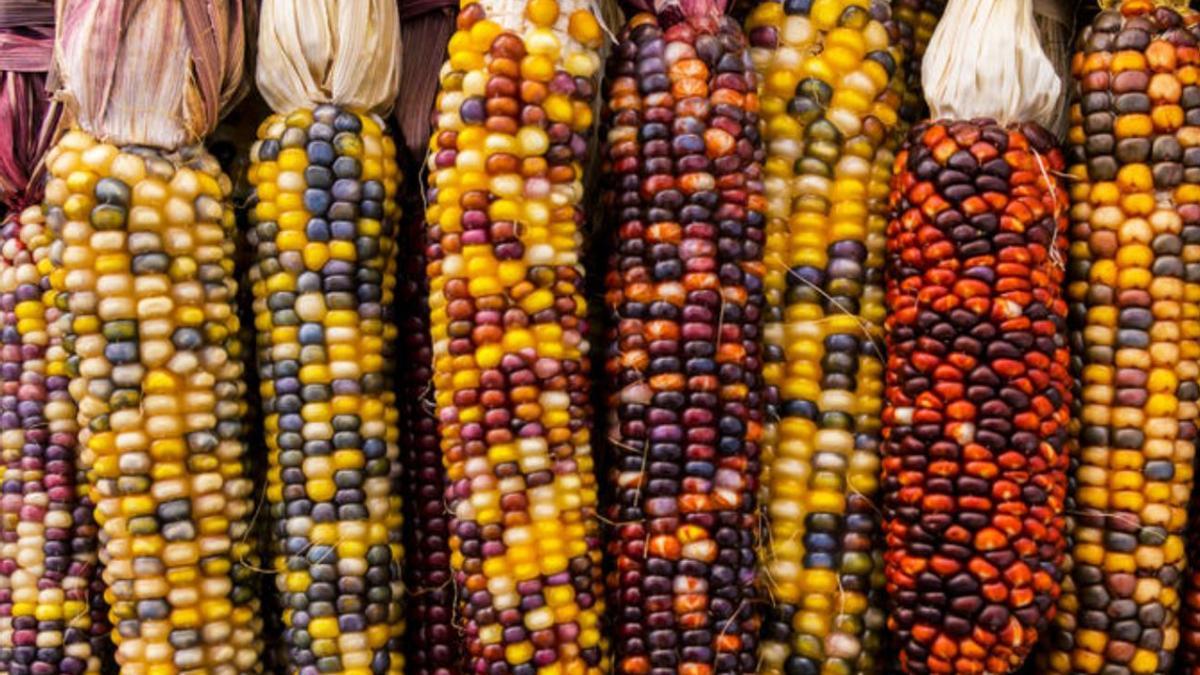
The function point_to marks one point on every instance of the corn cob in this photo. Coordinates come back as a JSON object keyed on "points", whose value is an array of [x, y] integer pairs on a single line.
{"points": [[50, 558], [47, 550], [323, 219], [1135, 284], [978, 391], [829, 103], [143, 255], [324, 224], [435, 648], [685, 293], [511, 379], [156, 372]]}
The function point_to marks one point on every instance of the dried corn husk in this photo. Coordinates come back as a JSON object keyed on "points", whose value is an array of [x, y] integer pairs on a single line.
{"points": [[426, 27], [345, 52], [26, 114], [107, 52], [1056, 26], [672, 8], [985, 60], [26, 13]]}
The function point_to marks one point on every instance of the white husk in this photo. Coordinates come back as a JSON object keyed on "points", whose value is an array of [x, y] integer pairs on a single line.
{"points": [[345, 52], [985, 60]]}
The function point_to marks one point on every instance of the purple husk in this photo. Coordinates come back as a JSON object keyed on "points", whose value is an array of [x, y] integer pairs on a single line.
{"points": [[26, 112], [673, 11]]}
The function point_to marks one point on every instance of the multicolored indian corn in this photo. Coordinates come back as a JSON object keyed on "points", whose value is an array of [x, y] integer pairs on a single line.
{"points": [[1135, 284], [507, 311], [325, 220], [143, 265], [156, 370], [52, 612], [683, 174], [978, 394], [828, 74], [324, 217], [52, 615]]}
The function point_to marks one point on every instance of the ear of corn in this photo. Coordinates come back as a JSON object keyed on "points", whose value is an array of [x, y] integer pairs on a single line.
{"points": [[508, 322], [323, 216], [324, 227], [48, 564], [435, 644], [685, 291], [154, 360], [978, 391], [1135, 285], [51, 613], [142, 265], [829, 105]]}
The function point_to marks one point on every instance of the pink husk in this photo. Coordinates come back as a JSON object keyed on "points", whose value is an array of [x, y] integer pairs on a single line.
{"points": [[26, 13], [116, 92], [673, 10], [27, 116]]}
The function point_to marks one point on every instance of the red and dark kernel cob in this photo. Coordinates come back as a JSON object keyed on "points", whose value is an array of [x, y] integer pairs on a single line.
{"points": [[508, 321], [683, 179], [1135, 265], [978, 393], [435, 642]]}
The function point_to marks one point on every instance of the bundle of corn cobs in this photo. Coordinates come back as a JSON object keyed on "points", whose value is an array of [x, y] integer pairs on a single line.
{"points": [[880, 388]]}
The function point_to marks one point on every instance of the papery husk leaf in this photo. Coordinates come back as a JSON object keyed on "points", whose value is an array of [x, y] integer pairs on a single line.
{"points": [[345, 52], [985, 60], [150, 72], [26, 13], [27, 49], [425, 29], [27, 116]]}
